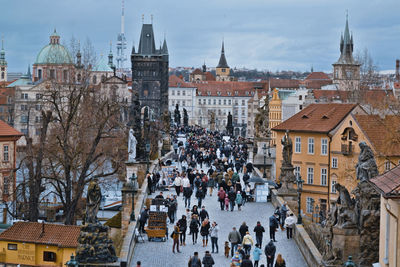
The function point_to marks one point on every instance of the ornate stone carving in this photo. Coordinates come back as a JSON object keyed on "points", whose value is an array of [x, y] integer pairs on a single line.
{"points": [[93, 200], [287, 149], [229, 126], [132, 142], [261, 121], [185, 118], [366, 167], [177, 115]]}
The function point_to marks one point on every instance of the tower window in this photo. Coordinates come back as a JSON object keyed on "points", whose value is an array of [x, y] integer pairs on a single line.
{"points": [[40, 74], [223, 70], [2, 75]]}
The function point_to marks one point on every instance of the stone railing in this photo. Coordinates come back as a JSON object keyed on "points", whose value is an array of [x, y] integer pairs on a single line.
{"points": [[130, 238]]}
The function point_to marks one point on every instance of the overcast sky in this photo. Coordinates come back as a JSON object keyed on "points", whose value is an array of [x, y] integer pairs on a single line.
{"points": [[262, 34]]}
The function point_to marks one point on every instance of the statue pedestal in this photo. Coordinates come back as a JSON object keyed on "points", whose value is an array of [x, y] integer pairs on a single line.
{"points": [[131, 167], [287, 180], [94, 245]]}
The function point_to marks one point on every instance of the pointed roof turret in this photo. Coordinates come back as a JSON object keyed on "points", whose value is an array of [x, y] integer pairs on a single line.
{"points": [[146, 44], [164, 49], [133, 49], [346, 46], [3, 61], [222, 60]]}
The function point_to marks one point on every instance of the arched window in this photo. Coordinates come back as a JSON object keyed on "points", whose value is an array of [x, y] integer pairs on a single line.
{"points": [[2, 75], [94, 79], [39, 74]]}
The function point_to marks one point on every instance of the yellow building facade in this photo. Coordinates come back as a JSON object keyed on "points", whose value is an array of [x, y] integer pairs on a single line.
{"points": [[38, 244], [275, 114]]}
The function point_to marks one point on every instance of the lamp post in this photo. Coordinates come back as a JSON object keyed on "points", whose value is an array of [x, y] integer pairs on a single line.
{"points": [[147, 156], [312, 210], [72, 262], [299, 183], [265, 158]]}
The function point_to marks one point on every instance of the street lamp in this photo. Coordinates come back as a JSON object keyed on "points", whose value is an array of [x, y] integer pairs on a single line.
{"points": [[299, 183], [72, 262], [265, 158], [312, 210], [131, 187]]}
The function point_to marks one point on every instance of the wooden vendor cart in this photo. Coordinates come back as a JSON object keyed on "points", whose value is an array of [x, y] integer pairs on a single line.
{"points": [[157, 224]]}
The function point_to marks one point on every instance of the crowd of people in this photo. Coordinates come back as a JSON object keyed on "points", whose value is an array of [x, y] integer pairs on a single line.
{"points": [[208, 161]]}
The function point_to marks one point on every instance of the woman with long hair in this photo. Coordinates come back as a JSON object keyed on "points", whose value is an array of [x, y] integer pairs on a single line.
{"points": [[194, 228], [280, 262], [205, 231]]}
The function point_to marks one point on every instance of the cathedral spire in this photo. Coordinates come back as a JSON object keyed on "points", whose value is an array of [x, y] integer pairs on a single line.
{"points": [[3, 61], [346, 45], [222, 60]]}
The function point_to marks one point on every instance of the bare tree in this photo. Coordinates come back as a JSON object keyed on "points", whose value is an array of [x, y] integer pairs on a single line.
{"points": [[369, 76]]}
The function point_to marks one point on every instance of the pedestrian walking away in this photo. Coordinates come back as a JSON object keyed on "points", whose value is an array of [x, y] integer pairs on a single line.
{"points": [[194, 261], [208, 260], [175, 238], [280, 262], [269, 251], [257, 252], [247, 243], [205, 231], [234, 238], [246, 262], [273, 225], [259, 230], [289, 224]]}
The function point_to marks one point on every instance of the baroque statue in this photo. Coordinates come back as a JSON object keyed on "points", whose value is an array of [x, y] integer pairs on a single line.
{"points": [[93, 201], [132, 142], [346, 217], [177, 115], [287, 149], [185, 118], [366, 167], [261, 121], [229, 125]]}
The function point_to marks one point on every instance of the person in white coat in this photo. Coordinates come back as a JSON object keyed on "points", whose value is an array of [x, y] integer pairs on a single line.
{"points": [[290, 221]]}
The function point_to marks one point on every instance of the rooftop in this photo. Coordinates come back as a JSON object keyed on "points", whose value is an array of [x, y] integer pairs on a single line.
{"points": [[317, 76], [388, 183], [320, 118], [43, 233], [7, 130]]}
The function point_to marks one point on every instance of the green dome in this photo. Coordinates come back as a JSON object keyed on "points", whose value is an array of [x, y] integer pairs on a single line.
{"points": [[54, 54]]}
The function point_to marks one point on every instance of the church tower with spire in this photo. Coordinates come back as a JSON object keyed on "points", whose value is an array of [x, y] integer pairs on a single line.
{"points": [[150, 72], [222, 71], [346, 71], [3, 63]]}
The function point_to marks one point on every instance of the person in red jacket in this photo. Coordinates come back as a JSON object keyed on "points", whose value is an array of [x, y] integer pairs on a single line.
{"points": [[221, 197]]}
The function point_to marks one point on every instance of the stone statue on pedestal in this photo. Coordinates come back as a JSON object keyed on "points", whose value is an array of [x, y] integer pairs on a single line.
{"points": [[132, 142], [177, 115], [287, 149], [229, 125], [261, 121], [212, 121], [94, 245], [185, 118], [366, 167]]}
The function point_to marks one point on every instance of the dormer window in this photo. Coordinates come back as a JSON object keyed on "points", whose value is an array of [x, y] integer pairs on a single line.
{"points": [[247, 93], [208, 93], [236, 92], [229, 93], [218, 93]]}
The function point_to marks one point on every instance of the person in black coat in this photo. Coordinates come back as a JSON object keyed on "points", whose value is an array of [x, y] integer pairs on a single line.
{"points": [[242, 230], [259, 230], [246, 262], [232, 198], [182, 224], [143, 219], [273, 225], [270, 250]]}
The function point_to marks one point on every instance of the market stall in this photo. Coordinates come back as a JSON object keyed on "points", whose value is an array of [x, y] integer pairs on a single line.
{"points": [[157, 224]]}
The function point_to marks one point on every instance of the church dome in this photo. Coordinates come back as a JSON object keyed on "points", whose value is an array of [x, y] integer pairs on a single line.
{"points": [[54, 53]]}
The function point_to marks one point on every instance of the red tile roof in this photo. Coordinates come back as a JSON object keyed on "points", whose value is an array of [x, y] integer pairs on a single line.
{"points": [[197, 72], [366, 96], [316, 84], [388, 183], [382, 133], [318, 76], [7, 130], [53, 234], [321, 118], [210, 76], [284, 83]]}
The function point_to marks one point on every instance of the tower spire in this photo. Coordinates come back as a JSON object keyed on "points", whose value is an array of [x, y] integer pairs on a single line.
{"points": [[123, 17], [121, 40], [222, 60]]}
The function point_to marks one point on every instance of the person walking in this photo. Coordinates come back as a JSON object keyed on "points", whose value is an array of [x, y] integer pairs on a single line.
{"points": [[205, 231], [226, 203], [182, 224], [236, 260], [214, 237], [221, 197], [211, 184], [232, 198], [242, 230], [283, 211], [203, 214], [289, 224], [239, 200], [234, 238], [256, 254], [246, 262], [175, 238], [194, 261], [208, 260], [269, 251], [273, 225], [247, 243], [194, 228], [187, 194], [143, 219], [178, 184], [280, 262], [259, 230], [199, 196]]}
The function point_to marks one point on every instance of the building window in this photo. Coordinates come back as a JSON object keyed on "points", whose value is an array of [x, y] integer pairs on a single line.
{"points": [[243, 102], [52, 74], [24, 96], [172, 92], [65, 75], [324, 176], [300, 97], [39, 74], [183, 92], [324, 146], [24, 107], [333, 189], [301, 107], [215, 101], [243, 111], [6, 185], [94, 79], [38, 107], [310, 145], [334, 163], [224, 101], [219, 101], [309, 205], [183, 103], [24, 131], [310, 175], [39, 96], [178, 92], [297, 171], [24, 119], [5, 153], [229, 102], [297, 146], [12, 246], [209, 101], [49, 256], [387, 165]]}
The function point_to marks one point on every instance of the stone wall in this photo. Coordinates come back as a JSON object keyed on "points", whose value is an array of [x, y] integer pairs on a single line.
{"points": [[129, 242]]}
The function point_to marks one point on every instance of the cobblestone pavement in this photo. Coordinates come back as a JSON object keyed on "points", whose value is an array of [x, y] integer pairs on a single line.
{"points": [[154, 254]]}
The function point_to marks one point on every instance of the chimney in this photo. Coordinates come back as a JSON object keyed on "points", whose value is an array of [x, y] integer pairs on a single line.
{"points": [[42, 232], [398, 70]]}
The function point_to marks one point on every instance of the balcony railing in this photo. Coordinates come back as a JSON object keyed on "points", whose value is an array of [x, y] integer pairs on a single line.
{"points": [[347, 149]]}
